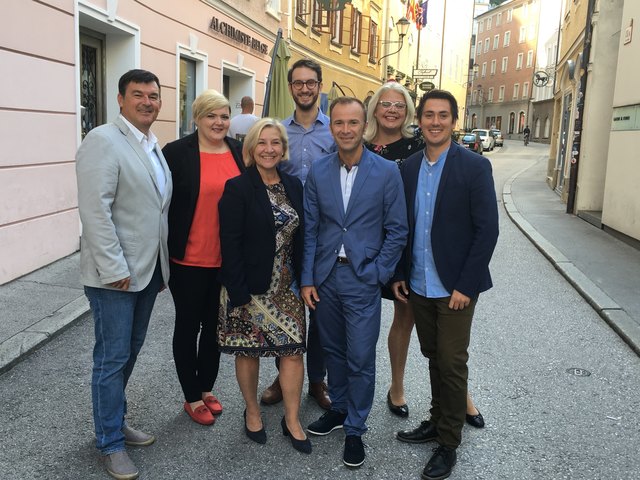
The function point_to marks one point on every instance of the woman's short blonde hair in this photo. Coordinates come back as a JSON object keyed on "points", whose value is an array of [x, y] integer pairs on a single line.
{"points": [[207, 102], [253, 135], [372, 124]]}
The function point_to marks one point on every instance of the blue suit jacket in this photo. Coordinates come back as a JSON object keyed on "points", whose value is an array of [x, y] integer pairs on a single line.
{"points": [[373, 229], [465, 222]]}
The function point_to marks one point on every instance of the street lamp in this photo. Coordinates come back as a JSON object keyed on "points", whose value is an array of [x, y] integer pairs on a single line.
{"points": [[402, 26]]}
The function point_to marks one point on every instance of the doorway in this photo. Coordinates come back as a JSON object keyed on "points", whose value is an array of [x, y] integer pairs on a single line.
{"points": [[91, 80]]}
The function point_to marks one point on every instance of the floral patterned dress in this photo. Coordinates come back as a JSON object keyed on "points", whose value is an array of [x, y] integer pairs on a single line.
{"points": [[271, 324], [399, 150]]}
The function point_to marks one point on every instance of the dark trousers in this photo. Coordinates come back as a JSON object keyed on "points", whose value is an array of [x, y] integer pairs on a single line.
{"points": [[444, 339], [196, 296]]}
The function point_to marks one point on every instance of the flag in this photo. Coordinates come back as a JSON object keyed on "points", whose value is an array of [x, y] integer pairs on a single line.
{"points": [[411, 10], [421, 17]]}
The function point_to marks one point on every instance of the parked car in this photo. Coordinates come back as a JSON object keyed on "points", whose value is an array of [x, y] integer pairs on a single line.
{"points": [[498, 136], [488, 140], [472, 141]]}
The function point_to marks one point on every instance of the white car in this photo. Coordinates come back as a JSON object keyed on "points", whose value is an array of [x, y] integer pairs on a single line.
{"points": [[488, 140]]}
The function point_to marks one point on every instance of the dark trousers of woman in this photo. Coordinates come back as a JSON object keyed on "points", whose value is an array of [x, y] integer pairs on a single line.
{"points": [[196, 296]]}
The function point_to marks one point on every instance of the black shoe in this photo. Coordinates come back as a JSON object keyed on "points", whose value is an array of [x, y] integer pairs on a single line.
{"points": [[475, 420], [327, 423], [353, 451], [424, 433], [303, 446], [259, 437], [399, 410], [440, 464]]}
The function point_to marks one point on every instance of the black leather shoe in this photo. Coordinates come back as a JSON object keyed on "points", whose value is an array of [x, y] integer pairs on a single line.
{"points": [[353, 451], [259, 437], [303, 446], [440, 464], [475, 420], [423, 433], [399, 410]]}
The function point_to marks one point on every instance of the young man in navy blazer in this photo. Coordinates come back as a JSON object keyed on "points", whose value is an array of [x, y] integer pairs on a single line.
{"points": [[453, 230], [355, 230]]}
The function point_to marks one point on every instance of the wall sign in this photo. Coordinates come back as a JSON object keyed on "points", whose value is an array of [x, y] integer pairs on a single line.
{"points": [[237, 35]]}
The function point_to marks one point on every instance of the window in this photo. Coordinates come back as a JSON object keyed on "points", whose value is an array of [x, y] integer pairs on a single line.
{"points": [[373, 42], [512, 122], [525, 90], [519, 61], [489, 23], [474, 97], [501, 94], [525, 10], [505, 64], [509, 15], [493, 67], [302, 10], [484, 69], [499, 122], [496, 41], [187, 95], [530, 58], [490, 95], [521, 118], [516, 91], [486, 45], [320, 17], [507, 38], [481, 26], [498, 19], [273, 6], [523, 34], [356, 31], [336, 27], [536, 130], [479, 48], [547, 127]]}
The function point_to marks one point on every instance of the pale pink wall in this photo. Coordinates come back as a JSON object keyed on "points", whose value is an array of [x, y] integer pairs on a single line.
{"points": [[38, 214]]}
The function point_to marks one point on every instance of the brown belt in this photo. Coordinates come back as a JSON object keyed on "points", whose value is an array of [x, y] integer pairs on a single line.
{"points": [[343, 260]]}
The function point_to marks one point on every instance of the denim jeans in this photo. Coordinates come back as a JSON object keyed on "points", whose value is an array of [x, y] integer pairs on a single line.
{"points": [[120, 322]]}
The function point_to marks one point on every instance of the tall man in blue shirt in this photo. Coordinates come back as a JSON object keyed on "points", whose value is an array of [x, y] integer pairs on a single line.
{"points": [[309, 139], [453, 229]]}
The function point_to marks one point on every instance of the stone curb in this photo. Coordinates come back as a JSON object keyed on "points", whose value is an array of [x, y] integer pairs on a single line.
{"points": [[21, 344], [621, 322]]}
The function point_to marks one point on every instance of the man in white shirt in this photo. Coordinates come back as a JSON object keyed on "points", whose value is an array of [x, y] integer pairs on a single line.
{"points": [[240, 124], [124, 190]]}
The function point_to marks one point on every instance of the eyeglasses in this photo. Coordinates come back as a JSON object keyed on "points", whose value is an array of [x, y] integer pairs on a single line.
{"points": [[388, 105], [311, 84]]}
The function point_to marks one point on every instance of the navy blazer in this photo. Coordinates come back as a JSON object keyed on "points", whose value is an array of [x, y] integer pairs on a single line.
{"points": [[373, 230], [183, 158], [248, 234], [465, 221]]}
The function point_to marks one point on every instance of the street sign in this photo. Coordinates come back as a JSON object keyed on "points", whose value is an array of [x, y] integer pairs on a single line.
{"points": [[426, 86]]}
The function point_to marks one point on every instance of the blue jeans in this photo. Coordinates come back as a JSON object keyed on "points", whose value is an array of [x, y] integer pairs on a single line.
{"points": [[121, 319]]}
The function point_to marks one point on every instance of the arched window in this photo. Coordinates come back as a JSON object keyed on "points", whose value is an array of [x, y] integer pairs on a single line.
{"points": [[536, 131], [547, 127], [512, 122], [474, 121], [520, 122]]}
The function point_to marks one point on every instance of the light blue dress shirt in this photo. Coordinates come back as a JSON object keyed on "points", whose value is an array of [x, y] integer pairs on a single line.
{"points": [[424, 279], [305, 146]]}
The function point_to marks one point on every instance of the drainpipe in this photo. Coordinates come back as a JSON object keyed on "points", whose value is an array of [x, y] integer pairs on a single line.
{"points": [[582, 91]]}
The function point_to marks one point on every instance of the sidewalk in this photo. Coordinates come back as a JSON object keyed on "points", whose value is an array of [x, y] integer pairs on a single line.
{"points": [[603, 269]]}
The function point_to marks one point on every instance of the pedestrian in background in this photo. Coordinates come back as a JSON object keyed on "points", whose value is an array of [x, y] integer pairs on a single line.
{"points": [[391, 135], [261, 313], [309, 139], [200, 163], [241, 123], [453, 230], [355, 230], [124, 191]]}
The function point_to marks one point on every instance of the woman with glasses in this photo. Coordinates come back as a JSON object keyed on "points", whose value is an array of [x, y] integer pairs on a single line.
{"points": [[391, 135]]}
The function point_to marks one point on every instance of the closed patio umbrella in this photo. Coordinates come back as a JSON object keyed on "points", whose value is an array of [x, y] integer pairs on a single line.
{"points": [[278, 101]]}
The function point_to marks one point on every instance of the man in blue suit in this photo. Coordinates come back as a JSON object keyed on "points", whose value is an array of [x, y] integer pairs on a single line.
{"points": [[453, 230], [355, 230]]}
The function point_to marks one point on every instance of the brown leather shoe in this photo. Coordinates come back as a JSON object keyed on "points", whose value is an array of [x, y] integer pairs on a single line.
{"points": [[273, 394], [318, 390]]}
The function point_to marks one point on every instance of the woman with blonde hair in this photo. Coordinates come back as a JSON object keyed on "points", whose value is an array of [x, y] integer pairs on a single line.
{"points": [[391, 134], [261, 312], [200, 164]]}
